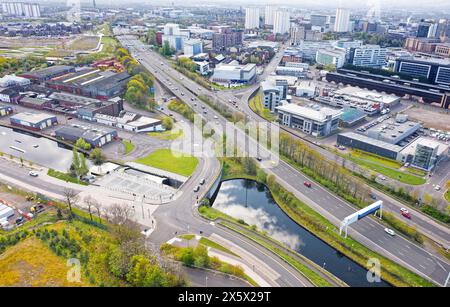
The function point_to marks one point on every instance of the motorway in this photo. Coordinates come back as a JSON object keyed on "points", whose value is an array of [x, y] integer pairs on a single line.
{"points": [[367, 231]]}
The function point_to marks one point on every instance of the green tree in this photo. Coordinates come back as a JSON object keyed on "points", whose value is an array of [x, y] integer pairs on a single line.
{"points": [[81, 143], [97, 156], [167, 122], [201, 256], [187, 256], [83, 170], [166, 50]]}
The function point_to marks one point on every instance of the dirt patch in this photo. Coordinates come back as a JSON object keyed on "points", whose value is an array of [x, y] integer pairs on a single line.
{"points": [[430, 118]]}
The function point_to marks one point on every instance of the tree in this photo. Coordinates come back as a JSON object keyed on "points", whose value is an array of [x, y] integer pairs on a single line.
{"points": [[81, 143], [90, 203], [97, 156], [71, 197], [201, 256], [167, 122], [75, 166], [187, 257], [166, 50], [83, 169]]}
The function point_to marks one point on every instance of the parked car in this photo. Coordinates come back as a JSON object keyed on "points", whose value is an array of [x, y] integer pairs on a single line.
{"points": [[390, 231], [307, 184]]}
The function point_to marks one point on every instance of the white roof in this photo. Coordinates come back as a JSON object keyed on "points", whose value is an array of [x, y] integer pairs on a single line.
{"points": [[411, 148], [367, 95], [33, 118], [314, 112], [143, 120]]}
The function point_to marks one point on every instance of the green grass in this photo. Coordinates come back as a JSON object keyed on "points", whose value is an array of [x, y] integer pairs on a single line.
{"points": [[447, 195], [212, 244], [168, 135], [255, 103], [187, 237], [385, 170], [128, 146], [64, 176], [165, 159]]}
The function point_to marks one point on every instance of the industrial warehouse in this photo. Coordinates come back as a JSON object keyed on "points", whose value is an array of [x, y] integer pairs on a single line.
{"points": [[95, 137], [33, 121]]}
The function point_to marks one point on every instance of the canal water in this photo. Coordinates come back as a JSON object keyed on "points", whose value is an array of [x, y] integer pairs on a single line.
{"points": [[252, 202], [38, 150]]}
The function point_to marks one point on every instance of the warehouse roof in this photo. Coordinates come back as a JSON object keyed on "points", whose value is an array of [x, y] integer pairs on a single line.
{"points": [[374, 142], [33, 118], [75, 99], [88, 134]]}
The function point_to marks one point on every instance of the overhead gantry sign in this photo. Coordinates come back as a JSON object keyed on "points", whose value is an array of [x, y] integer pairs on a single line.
{"points": [[373, 208]]}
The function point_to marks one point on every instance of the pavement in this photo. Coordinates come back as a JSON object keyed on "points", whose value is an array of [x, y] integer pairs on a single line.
{"points": [[367, 231]]}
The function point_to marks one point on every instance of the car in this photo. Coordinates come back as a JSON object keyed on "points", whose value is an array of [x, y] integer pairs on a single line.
{"points": [[373, 196], [202, 181], [170, 114], [192, 99], [406, 214], [403, 210], [259, 159], [215, 117], [196, 189], [307, 184], [195, 104], [389, 231], [33, 174], [146, 232], [19, 221], [437, 187]]}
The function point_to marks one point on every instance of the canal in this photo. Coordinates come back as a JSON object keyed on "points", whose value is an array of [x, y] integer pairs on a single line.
{"points": [[247, 200], [39, 150]]}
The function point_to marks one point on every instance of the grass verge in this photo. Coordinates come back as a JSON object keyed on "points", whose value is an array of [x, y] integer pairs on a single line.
{"points": [[64, 176], [128, 146], [166, 159]]}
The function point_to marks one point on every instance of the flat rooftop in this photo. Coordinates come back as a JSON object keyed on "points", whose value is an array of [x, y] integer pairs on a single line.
{"points": [[371, 96], [410, 149], [391, 130], [368, 140], [33, 118], [313, 112], [75, 99]]}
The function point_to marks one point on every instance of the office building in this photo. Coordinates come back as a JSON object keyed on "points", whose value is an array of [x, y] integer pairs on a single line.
{"points": [[274, 92], [433, 70], [368, 56], [426, 45], [365, 143], [424, 153], [312, 119], [21, 9], [252, 17], [335, 57], [318, 20], [423, 29], [234, 73], [393, 131], [192, 47], [443, 50], [282, 22], [342, 22]]}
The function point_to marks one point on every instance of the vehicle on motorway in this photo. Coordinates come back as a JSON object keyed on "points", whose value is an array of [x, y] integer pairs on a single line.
{"points": [[195, 104], [170, 114], [307, 184], [203, 106], [389, 231], [146, 232], [196, 189], [205, 111], [192, 99], [202, 181], [33, 174], [406, 213], [215, 117]]}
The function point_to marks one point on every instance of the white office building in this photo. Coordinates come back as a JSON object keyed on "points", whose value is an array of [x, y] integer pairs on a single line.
{"points": [[335, 57], [312, 119], [192, 47], [368, 56], [342, 22], [234, 73], [274, 93], [282, 22], [269, 15], [251, 17]]}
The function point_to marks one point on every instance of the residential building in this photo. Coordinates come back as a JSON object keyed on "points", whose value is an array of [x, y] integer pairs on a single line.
{"points": [[282, 22], [342, 22], [368, 56], [33, 121], [269, 15], [426, 45], [443, 50], [335, 57], [318, 20], [312, 119], [226, 38], [251, 17], [297, 34], [21, 9], [274, 93]]}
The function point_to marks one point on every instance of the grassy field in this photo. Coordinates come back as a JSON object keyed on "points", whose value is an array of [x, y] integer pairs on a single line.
{"points": [[31, 263], [165, 159], [385, 167], [84, 43], [168, 135], [128, 146]]}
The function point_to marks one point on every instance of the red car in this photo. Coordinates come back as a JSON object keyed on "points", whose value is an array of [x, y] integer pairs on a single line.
{"points": [[406, 214], [307, 184]]}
